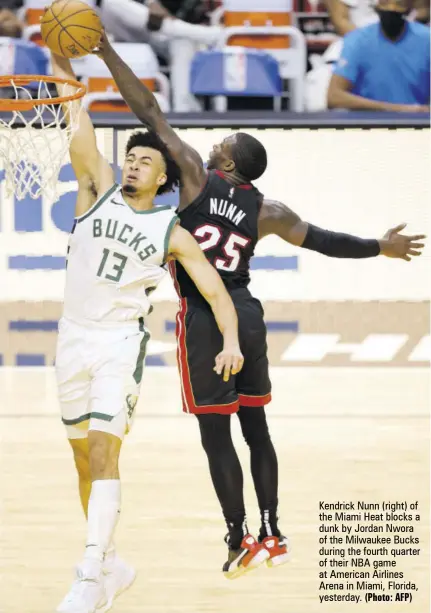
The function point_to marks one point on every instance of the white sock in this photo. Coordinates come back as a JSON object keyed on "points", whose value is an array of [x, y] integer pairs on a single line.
{"points": [[103, 514], [180, 29], [110, 556]]}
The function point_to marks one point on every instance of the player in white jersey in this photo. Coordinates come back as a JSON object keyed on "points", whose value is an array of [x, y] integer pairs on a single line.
{"points": [[117, 248]]}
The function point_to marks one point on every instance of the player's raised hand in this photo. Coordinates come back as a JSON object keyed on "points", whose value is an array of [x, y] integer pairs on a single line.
{"points": [[396, 245], [103, 46], [229, 362]]}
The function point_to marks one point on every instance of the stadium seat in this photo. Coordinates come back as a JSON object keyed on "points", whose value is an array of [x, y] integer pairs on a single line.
{"points": [[257, 13], [235, 71], [292, 60], [32, 13], [103, 94], [269, 26]]}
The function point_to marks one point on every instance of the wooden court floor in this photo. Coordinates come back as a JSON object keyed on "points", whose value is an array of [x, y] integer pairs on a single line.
{"points": [[341, 434]]}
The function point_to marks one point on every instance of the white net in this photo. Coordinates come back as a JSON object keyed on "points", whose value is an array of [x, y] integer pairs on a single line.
{"points": [[34, 143]]}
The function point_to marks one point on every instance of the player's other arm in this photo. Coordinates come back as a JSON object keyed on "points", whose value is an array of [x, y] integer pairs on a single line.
{"points": [[277, 218], [93, 172], [184, 248], [146, 108]]}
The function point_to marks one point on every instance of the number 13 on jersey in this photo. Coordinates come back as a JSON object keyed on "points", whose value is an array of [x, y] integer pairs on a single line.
{"points": [[210, 236], [118, 264]]}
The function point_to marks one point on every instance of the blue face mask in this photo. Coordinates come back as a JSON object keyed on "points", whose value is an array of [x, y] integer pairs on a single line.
{"points": [[392, 22]]}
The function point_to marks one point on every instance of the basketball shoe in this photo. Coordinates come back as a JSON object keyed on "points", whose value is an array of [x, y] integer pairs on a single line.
{"points": [[249, 556], [278, 548], [118, 577], [86, 595]]}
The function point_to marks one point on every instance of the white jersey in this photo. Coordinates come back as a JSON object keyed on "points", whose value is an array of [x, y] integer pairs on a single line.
{"points": [[115, 259]]}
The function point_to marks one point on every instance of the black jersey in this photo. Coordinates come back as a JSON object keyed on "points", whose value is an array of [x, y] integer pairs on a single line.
{"points": [[224, 221]]}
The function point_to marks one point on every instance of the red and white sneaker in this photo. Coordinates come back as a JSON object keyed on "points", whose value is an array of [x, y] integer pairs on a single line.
{"points": [[249, 556], [278, 548]]}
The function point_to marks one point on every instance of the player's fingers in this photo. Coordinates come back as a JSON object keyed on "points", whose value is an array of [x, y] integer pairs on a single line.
{"points": [[417, 237], [237, 364], [227, 369], [417, 245], [406, 258], [398, 228], [219, 363], [413, 252]]}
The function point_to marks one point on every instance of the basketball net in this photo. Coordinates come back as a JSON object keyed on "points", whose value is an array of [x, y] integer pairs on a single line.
{"points": [[34, 136]]}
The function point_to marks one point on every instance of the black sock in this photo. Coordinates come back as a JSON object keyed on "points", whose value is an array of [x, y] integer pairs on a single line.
{"points": [[264, 466], [226, 473]]}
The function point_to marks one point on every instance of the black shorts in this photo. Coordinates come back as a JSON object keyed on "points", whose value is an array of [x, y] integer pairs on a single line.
{"points": [[199, 341]]}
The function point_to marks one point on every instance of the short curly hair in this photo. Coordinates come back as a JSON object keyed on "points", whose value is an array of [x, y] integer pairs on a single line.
{"points": [[152, 140], [249, 156]]}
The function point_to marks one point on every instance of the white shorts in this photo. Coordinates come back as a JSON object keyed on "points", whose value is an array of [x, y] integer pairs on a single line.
{"points": [[99, 372]]}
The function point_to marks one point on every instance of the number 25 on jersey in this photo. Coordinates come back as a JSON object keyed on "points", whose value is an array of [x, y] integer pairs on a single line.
{"points": [[210, 236]]}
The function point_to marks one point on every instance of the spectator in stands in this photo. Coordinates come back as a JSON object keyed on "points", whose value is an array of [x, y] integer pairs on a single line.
{"points": [[384, 66], [174, 39], [347, 15], [192, 11], [10, 25], [135, 21]]}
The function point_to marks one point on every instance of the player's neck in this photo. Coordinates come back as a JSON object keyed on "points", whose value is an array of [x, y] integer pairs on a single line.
{"points": [[234, 178], [141, 202]]}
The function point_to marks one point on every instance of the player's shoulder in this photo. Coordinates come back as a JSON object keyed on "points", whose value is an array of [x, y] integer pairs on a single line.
{"points": [[109, 192], [163, 213]]}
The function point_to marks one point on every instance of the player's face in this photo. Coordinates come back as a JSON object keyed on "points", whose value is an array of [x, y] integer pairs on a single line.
{"points": [[221, 155], [143, 171]]}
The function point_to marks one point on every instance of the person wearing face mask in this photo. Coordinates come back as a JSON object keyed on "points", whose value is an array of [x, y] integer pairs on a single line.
{"points": [[392, 21], [384, 66]]}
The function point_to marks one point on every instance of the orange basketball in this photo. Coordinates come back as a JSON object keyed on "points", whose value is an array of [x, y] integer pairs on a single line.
{"points": [[71, 28]]}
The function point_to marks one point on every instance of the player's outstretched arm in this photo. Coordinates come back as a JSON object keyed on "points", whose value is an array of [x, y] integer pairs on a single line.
{"points": [[276, 218], [184, 248], [92, 170], [146, 108]]}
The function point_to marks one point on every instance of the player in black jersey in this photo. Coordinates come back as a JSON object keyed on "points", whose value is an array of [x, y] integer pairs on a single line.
{"points": [[228, 215]]}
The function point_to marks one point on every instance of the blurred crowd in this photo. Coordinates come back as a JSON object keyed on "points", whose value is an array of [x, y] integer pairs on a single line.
{"points": [[359, 54]]}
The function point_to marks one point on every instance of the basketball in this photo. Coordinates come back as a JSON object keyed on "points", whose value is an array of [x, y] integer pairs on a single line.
{"points": [[71, 28]]}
